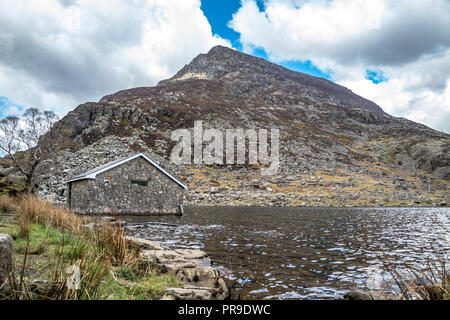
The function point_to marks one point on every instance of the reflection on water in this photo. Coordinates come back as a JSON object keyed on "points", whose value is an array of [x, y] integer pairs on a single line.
{"points": [[301, 253]]}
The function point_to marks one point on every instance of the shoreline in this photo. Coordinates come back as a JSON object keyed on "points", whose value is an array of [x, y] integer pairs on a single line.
{"points": [[192, 207], [192, 267], [318, 207], [193, 276], [216, 216], [42, 242], [289, 203], [184, 274]]}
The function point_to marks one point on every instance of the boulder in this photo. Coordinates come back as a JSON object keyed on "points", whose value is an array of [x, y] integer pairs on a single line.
{"points": [[143, 244], [174, 260], [358, 295], [193, 293], [6, 262], [216, 289], [191, 267], [200, 276]]}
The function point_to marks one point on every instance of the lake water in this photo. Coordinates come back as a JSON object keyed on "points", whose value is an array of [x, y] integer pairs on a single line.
{"points": [[303, 253]]}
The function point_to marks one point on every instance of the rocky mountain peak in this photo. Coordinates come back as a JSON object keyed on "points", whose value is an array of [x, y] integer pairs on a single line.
{"points": [[231, 66], [215, 64], [326, 131]]}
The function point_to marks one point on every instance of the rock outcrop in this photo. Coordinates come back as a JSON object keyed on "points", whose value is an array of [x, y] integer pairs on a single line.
{"points": [[191, 267], [6, 263]]}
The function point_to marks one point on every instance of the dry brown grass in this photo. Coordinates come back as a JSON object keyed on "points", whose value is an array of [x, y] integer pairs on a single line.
{"points": [[40, 211], [8, 204], [31, 209], [43, 212], [112, 239], [431, 283], [96, 247]]}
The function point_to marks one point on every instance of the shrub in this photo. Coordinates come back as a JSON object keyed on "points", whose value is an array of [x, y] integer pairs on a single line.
{"points": [[126, 273]]}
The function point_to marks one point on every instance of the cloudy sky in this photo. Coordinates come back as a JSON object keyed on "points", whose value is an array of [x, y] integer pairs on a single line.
{"points": [[56, 54]]}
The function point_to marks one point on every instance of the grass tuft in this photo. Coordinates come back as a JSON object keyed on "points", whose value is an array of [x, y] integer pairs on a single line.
{"points": [[50, 241]]}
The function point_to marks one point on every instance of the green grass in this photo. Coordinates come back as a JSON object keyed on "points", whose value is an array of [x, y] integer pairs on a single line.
{"points": [[146, 287], [51, 251], [40, 237], [391, 157]]}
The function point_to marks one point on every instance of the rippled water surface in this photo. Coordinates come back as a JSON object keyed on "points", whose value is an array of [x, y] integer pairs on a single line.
{"points": [[301, 253]]}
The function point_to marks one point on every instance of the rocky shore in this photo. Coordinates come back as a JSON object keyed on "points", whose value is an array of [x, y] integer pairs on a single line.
{"points": [[292, 199], [191, 267]]}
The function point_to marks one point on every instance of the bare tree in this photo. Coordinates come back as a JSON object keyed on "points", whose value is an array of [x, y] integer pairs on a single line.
{"points": [[23, 134]]}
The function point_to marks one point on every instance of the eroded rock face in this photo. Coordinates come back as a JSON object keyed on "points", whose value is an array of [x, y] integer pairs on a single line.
{"points": [[6, 262], [227, 64], [429, 155]]}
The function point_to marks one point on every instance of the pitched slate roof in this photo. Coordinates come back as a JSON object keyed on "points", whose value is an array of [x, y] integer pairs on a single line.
{"points": [[91, 174]]}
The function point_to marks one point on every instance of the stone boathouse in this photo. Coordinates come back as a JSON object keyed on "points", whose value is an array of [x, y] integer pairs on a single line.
{"points": [[134, 185]]}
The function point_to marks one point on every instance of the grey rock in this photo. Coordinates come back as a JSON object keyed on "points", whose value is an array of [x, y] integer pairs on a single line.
{"points": [[143, 244], [190, 266], [190, 293], [357, 295], [6, 262]]}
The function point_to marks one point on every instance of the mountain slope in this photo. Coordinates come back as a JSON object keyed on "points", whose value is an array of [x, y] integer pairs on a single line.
{"points": [[362, 155], [225, 64]]}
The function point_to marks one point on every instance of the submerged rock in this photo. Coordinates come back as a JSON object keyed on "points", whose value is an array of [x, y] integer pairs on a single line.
{"points": [[192, 293], [358, 295]]}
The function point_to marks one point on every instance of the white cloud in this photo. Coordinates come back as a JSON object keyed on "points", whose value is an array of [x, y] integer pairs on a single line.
{"points": [[409, 40], [8, 107], [59, 53]]}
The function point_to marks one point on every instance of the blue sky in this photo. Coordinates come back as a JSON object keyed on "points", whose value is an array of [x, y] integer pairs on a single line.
{"points": [[8, 107], [393, 52], [219, 14]]}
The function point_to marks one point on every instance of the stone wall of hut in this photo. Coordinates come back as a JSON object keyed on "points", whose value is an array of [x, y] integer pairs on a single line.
{"points": [[115, 191]]}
